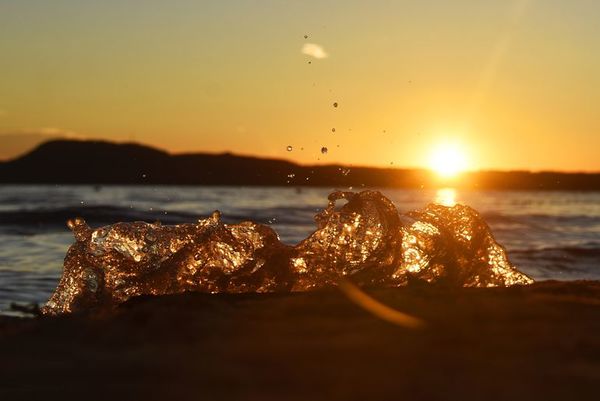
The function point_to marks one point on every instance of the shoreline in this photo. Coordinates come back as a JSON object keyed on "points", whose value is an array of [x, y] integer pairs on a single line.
{"points": [[537, 342]]}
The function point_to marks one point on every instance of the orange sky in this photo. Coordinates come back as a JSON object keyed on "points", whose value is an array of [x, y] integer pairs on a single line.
{"points": [[514, 84]]}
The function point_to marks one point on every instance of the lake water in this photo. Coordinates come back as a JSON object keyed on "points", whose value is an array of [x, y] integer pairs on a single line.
{"points": [[548, 235]]}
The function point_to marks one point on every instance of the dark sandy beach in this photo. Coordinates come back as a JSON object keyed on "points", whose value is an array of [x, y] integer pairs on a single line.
{"points": [[540, 342]]}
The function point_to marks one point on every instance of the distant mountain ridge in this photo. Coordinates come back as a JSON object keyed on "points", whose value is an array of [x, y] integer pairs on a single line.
{"points": [[101, 162]]}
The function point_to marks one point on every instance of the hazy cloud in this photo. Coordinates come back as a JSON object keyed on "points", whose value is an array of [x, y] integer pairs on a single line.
{"points": [[18, 143], [54, 132], [314, 50]]}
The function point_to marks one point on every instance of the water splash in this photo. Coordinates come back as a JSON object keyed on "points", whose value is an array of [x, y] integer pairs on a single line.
{"points": [[366, 241]]}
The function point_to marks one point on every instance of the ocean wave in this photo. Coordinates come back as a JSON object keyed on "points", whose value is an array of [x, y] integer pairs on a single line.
{"points": [[108, 214], [105, 214], [560, 262], [591, 250], [365, 241], [529, 218]]}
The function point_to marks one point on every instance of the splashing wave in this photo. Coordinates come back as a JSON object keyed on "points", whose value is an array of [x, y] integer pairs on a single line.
{"points": [[366, 241]]}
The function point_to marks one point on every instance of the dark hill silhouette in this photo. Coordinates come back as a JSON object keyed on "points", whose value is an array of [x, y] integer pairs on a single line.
{"points": [[100, 162]]}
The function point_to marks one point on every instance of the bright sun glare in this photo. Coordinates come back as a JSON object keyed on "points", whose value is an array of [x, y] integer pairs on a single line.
{"points": [[447, 160]]}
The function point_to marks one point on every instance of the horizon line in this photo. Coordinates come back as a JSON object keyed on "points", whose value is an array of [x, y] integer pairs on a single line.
{"points": [[232, 153]]}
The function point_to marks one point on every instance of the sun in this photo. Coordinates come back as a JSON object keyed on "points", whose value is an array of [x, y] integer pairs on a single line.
{"points": [[447, 160]]}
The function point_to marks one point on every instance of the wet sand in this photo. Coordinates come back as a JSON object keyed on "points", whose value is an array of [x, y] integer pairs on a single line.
{"points": [[540, 342]]}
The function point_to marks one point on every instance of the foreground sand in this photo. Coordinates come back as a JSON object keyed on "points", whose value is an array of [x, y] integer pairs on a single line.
{"points": [[540, 342]]}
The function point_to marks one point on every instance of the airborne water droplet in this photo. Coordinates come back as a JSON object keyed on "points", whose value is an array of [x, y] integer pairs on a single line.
{"points": [[289, 148], [333, 130], [335, 104], [324, 150]]}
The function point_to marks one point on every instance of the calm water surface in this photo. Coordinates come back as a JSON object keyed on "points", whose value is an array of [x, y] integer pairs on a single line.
{"points": [[548, 235]]}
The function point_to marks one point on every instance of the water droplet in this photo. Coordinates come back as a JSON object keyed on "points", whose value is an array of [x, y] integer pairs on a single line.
{"points": [[289, 148], [77, 221], [291, 175], [143, 175], [324, 150], [310, 62], [333, 130], [335, 104], [216, 215], [305, 36]]}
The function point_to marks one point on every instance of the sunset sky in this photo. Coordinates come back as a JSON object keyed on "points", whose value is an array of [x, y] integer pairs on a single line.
{"points": [[513, 84]]}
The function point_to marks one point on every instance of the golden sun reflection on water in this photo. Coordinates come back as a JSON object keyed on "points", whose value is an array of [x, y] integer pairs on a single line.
{"points": [[445, 196]]}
